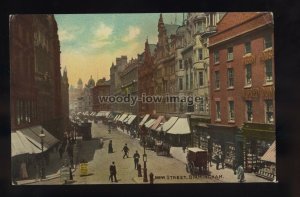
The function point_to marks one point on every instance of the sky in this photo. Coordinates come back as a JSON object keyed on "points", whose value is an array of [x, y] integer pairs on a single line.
{"points": [[90, 43]]}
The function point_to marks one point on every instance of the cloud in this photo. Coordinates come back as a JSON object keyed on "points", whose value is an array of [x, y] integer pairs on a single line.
{"points": [[133, 32], [103, 32], [65, 35]]}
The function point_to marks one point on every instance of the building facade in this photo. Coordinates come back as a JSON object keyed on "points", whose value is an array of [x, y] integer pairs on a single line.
{"points": [[35, 58], [65, 97], [102, 88], [88, 95], [242, 86], [74, 94]]}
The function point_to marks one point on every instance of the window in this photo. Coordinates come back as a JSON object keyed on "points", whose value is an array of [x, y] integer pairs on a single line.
{"points": [[200, 54], [201, 26], [268, 41], [180, 64], [217, 80], [180, 84], [218, 110], [269, 111], [231, 110], [201, 80], [201, 104], [268, 71], [230, 77], [230, 53], [216, 57], [247, 47], [249, 112], [248, 74]]}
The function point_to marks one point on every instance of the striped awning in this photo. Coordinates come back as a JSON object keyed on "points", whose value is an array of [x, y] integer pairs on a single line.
{"points": [[144, 120], [157, 122], [149, 123], [270, 155]]}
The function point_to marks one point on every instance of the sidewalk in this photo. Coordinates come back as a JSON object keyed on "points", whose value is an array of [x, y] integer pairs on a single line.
{"points": [[53, 168], [226, 175]]}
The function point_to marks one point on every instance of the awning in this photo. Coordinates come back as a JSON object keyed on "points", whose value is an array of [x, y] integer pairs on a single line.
{"points": [[181, 126], [122, 118], [116, 118], [126, 119], [107, 113], [33, 135], [144, 120], [157, 122], [21, 145], [167, 125], [131, 119], [149, 123], [270, 155]]}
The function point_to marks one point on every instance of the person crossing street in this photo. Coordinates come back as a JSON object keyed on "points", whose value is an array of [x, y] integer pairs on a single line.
{"points": [[126, 150]]}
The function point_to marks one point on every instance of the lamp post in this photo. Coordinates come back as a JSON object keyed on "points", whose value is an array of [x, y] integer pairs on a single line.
{"points": [[42, 135], [209, 149], [145, 177]]}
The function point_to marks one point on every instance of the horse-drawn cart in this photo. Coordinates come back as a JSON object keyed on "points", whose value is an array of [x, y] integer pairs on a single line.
{"points": [[162, 148], [197, 161]]}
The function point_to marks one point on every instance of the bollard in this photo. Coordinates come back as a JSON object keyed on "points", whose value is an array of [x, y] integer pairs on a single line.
{"points": [[139, 168], [71, 175], [151, 178]]}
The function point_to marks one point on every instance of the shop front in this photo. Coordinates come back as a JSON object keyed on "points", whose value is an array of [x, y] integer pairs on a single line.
{"points": [[257, 140], [221, 139], [180, 133]]}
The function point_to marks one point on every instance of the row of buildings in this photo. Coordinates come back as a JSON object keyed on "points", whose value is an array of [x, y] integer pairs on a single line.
{"points": [[225, 59], [39, 89]]}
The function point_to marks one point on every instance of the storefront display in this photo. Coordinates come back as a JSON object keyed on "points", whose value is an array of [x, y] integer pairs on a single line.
{"points": [[229, 154]]}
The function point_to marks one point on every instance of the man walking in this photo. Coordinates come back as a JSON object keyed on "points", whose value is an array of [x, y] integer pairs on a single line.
{"points": [[110, 147], [136, 158], [113, 172], [126, 150], [217, 158]]}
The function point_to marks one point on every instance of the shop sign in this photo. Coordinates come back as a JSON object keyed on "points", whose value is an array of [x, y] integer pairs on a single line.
{"points": [[83, 169], [255, 93], [266, 55]]}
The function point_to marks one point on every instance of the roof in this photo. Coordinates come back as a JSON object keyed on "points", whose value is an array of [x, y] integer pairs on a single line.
{"points": [[144, 120], [167, 125], [181, 126], [270, 155]]}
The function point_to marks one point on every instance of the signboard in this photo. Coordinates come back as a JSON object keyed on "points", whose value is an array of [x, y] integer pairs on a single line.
{"points": [[83, 169]]}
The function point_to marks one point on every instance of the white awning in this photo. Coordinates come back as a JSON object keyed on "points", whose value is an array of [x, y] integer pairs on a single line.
{"points": [[126, 119], [131, 119], [122, 118], [181, 126], [270, 155], [21, 145], [144, 120], [116, 118], [167, 125], [149, 123]]}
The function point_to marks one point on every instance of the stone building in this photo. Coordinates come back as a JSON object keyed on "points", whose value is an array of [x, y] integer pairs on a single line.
{"points": [[88, 95], [74, 94], [164, 67], [102, 88], [65, 97], [242, 87]]}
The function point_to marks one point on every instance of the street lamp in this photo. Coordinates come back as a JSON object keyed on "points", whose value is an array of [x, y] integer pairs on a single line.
{"points": [[209, 149], [145, 166], [42, 135]]}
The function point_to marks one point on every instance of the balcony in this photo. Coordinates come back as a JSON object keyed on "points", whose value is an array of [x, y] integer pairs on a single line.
{"points": [[209, 30]]}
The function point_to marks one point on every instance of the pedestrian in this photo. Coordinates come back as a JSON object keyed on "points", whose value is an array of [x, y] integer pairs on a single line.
{"points": [[126, 150], [183, 147], [136, 158], [240, 173], [110, 147], [222, 158], [234, 166], [217, 158], [113, 172], [61, 151]]}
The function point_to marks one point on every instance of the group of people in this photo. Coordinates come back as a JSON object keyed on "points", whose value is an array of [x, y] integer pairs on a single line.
{"points": [[112, 167]]}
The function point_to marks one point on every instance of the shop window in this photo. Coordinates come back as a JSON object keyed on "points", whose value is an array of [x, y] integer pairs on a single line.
{"points": [[230, 78], [248, 70], [249, 112], [268, 41], [231, 110], [247, 47], [217, 80], [229, 53], [218, 111], [268, 71], [216, 57], [201, 79], [269, 111]]}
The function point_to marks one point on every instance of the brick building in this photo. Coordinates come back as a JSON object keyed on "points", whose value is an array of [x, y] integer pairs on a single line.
{"points": [[242, 87]]}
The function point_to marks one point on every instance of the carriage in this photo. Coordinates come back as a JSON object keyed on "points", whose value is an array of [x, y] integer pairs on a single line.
{"points": [[162, 148], [197, 161]]}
